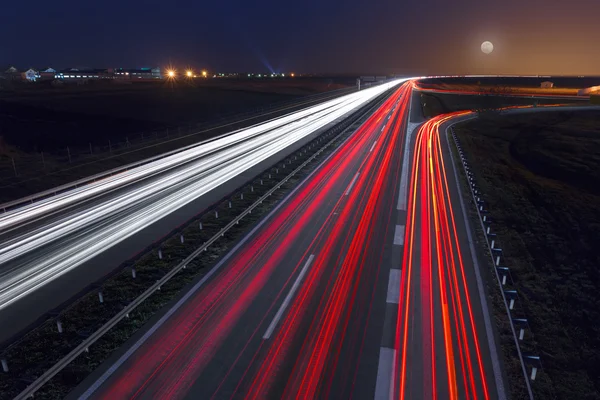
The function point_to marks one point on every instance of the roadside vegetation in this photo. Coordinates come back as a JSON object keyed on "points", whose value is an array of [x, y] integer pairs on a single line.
{"points": [[512, 372], [540, 177]]}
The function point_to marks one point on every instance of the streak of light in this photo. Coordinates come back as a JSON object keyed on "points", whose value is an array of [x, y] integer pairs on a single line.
{"points": [[190, 340], [88, 220], [446, 305]]}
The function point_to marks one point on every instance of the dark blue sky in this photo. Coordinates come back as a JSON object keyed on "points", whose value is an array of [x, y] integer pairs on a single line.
{"points": [[420, 36]]}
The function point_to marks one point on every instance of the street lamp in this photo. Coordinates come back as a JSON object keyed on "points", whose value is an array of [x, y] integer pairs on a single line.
{"points": [[189, 73], [171, 73], [204, 73]]}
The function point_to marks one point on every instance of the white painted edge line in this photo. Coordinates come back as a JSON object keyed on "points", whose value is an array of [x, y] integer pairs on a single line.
{"points": [[288, 298], [385, 374], [383, 127], [482, 297], [393, 293], [372, 147], [403, 192], [352, 183], [399, 235]]}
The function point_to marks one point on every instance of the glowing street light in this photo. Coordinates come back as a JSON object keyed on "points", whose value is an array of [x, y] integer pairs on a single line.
{"points": [[189, 73], [171, 73], [204, 73]]}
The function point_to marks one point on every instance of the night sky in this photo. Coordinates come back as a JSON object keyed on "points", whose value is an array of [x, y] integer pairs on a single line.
{"points": [[321, 36]]}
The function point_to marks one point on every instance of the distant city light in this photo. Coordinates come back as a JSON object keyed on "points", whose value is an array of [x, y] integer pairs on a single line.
{"points": [[171, 73], [292, 74], [189, 73], [204, 73]]}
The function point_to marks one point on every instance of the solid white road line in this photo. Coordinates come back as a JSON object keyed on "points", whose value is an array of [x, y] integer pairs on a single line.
{"points": [[372, 147], [288, 298], [393, 293], [383, 128], [385, 374], [352, 184], [399, 235], [403, 192]]}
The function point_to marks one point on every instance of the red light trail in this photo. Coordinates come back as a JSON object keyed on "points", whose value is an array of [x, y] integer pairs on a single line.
{"points": [[304, 355], [444, 303], [294, 312]]}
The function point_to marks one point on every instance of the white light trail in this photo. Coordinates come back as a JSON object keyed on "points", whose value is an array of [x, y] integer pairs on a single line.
{"points": [[90, 219]]}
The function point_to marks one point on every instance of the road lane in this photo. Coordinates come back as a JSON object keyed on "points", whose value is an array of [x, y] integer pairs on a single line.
{"points": [[340, 339], [214, 345], [441, 339]]}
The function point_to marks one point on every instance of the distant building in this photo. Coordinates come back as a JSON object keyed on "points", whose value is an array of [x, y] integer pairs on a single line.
{"points": [[136, 74], [547, 85], [121, 73], [30, 75], [47, 73], [85, 74], [75, 74], [11, 73]]}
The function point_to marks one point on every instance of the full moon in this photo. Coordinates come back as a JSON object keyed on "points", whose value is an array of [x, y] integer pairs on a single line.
{"points": [[487, 47]]}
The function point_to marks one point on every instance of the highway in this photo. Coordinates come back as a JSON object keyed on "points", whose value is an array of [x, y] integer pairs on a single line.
{"points": [[360, 284], [48, 241]]}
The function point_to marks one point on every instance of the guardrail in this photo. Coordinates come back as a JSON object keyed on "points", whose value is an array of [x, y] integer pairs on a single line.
{"points": [[501, 272], [124, 313]]}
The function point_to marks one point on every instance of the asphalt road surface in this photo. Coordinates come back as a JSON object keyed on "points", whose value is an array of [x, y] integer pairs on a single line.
{"points": [[444, 346], [360, 284]]}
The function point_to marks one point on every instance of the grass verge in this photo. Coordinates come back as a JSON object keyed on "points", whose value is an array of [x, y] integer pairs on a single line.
{"points": [[512, 371]]}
